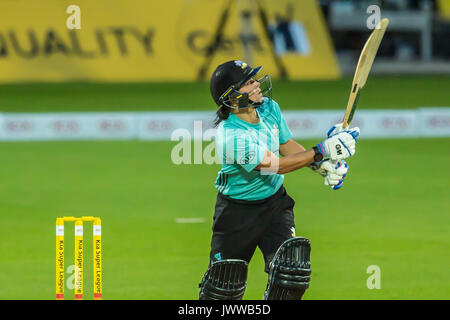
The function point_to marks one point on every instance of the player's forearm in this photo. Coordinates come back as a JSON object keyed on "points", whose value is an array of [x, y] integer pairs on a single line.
{"points": [[291, 147], [295, 161], [286, 164]]}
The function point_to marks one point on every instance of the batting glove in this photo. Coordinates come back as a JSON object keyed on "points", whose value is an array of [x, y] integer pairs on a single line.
{"points": [[340, 145], [335, 177], [335, 129], [333, 172]]}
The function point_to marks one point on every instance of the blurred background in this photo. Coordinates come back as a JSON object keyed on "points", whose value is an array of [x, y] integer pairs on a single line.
{"points": [[91, 93], [416, 33]]}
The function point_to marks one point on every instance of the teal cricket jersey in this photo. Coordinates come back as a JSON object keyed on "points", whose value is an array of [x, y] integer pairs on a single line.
{"points": [[241, 146]]}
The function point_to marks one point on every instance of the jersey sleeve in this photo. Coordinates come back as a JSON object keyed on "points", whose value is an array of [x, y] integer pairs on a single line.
{"points": [[243, 149], [284, 133]]}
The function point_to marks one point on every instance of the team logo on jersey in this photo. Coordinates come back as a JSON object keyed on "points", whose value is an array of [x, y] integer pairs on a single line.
{"points": [[275, 130], [248, 157]]}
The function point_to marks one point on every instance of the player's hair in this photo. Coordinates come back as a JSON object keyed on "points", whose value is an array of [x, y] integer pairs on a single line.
{"points": [[222, 114]]}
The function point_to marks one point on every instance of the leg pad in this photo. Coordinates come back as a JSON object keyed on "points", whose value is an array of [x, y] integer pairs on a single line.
{"points": [[289, 271], [224, 280]]}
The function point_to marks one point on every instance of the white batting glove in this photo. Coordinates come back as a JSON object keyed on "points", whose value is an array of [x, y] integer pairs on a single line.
{"points": [[333, 172], [340, 145], [336, 175], [335, 129]]}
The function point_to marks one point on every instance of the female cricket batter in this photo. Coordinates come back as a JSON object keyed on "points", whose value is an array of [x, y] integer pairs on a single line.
{"points": [[253, 208]]}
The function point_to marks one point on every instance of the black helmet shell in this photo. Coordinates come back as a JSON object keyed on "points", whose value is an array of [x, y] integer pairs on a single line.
{"points": [[231, 74]]}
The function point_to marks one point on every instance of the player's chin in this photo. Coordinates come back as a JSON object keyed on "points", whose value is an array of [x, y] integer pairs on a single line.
{"points": [[258, 98]]}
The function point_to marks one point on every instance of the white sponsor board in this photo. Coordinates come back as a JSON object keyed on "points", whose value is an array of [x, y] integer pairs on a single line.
{"points": [[311, 124], [388, 123], [424, 122], [373, 123], [68, 126], [435, 122], [160, 125]]}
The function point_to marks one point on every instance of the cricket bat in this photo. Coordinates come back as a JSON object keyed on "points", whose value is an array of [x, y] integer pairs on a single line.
{"points": [[363, 68]]}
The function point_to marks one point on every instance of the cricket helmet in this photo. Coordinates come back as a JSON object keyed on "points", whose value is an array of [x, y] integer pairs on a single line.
{"points": [[229, 77]]}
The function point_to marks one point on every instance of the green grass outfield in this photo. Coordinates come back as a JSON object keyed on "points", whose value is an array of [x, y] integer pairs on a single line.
{"points": [[392, 212], [393, 92]]}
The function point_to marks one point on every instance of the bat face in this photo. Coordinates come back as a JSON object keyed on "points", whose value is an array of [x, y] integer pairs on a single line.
{"points": [[363, 68]]}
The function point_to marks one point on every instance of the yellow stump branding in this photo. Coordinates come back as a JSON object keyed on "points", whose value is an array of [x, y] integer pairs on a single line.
{"points": [[59, 259], [97, 258], [78, 260]]}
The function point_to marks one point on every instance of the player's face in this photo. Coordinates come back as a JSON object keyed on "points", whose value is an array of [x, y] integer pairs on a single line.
{"points": [[252, 88]]}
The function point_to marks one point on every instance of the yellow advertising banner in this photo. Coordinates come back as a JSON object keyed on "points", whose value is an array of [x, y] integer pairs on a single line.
{"points": [[138, 40], [444, 8]]}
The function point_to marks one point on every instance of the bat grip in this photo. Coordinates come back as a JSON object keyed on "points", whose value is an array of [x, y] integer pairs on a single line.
{"points": [[344, 124]]}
